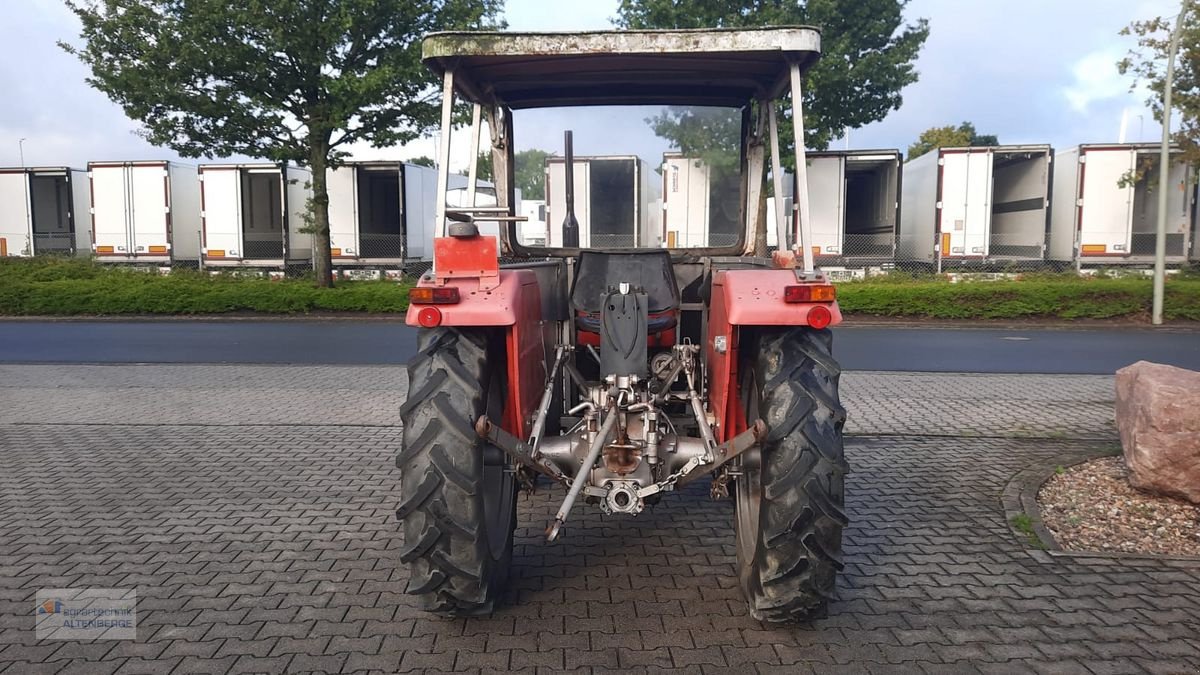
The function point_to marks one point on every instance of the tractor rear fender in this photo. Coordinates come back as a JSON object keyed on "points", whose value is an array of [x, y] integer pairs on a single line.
{"points": [[513, 306], [741, 300]]}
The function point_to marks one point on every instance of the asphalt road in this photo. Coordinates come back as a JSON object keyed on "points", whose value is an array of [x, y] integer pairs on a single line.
{"points": [[990, 350]]}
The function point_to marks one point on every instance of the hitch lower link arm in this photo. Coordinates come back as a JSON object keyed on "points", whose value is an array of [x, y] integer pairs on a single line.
{"points": [[517, 449], [585, 470]]}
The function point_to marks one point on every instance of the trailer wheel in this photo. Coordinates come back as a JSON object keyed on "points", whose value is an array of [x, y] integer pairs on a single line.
{"points": [[789, 494], [458, 498]]}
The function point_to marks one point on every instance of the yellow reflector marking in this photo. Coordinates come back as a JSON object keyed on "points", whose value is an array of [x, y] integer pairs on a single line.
{"points": [[824, 294]]}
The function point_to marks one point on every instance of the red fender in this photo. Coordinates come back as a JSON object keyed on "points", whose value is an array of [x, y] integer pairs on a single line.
{"points": [[747, 298], [514, 303]]}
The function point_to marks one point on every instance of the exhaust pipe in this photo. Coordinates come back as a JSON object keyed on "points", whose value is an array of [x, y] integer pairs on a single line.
{"points": [[570, 226]]}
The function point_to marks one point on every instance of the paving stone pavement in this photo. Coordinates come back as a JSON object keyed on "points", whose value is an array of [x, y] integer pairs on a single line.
{"points": [[272, 548], [1075, 406]]}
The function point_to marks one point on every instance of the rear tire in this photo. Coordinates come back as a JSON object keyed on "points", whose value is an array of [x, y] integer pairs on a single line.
{"points": [[790, 497], [458, 498]]}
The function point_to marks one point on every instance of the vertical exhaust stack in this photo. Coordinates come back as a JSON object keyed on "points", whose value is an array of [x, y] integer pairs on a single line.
{"points": [[570, 224]]}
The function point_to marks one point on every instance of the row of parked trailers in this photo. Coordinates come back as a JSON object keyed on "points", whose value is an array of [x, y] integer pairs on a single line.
{"points": [[1092, 204], [157, 212], [949, 206]]}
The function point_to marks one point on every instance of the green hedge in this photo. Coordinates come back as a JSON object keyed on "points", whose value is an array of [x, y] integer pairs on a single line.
{"points": [[1056, 297], [65, 287], [68, 287]]}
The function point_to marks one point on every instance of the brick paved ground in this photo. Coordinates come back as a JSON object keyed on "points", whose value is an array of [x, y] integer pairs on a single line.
{"points": [[1074, 406], [260, 546]]}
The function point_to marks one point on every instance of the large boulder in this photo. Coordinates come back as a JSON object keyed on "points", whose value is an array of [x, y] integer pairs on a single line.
{"points": [[1158, 415]]}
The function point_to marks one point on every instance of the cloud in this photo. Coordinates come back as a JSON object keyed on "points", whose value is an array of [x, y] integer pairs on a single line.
{"points": [[1096, 79]]}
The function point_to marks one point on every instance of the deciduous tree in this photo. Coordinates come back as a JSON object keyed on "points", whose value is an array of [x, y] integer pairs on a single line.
{"points": [[281, 80], [868, 55], [530, 173], [1147, 63], [950, 136]]}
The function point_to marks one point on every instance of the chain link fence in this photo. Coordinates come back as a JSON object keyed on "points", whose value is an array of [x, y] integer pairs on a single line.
{"points": [[382, 255]]}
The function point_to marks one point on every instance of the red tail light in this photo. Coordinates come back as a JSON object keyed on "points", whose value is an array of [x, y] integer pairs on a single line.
{"points": [[809, 293], [431, 317], [819, 317], [429, 295]]}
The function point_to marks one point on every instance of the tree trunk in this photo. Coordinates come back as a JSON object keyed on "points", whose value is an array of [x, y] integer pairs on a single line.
{"points": [[322, 257]]}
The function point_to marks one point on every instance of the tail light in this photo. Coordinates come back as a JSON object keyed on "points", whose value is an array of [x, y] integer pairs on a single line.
{"points": [[429, 295], [429, 317], [809, 293], [819, 317]]}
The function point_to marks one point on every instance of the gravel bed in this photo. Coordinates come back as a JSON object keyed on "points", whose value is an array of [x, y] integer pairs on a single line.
{"points": [[1092, 507]]}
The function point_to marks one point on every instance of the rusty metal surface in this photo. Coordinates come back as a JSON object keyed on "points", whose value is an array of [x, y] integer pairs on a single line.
{"points": [[697, 67]]}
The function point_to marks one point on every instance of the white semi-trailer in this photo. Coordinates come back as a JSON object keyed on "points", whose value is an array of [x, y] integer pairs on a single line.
{"points": [[618, 202], [977, 204], [533, 231], [1106, 205], [145, 212], [380, 213], [854, 199], [701, 207], [44, 210], [253, 214]]}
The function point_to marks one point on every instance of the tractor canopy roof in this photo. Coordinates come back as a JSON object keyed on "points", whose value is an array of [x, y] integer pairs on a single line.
{"points": [[709, 67]]}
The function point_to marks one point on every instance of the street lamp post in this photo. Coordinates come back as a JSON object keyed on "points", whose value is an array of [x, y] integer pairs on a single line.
{"points": [[21, 149], [1164, 170]]}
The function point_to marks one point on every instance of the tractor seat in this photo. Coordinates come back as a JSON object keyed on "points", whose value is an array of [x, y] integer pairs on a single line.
{"points": [[649, 270], [656, 324]]}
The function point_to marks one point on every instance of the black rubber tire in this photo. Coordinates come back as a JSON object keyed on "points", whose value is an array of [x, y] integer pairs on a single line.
{"points": [[791, 501], [457, 538]]}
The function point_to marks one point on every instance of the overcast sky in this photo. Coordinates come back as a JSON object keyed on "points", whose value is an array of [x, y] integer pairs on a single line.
{"points": [[1029, 71]]}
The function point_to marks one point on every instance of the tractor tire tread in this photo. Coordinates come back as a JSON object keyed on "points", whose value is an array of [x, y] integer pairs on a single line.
{"points": [[803, 467], [446, 548]]}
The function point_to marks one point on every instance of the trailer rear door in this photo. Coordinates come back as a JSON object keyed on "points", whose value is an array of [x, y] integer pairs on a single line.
{"points": [[827, 203], [420, 200], [221, 194], [686, 195], [110, 210], [965, 203], [14, 214], [343, 211], [148, 199], [50, 211], [1107, 209]]}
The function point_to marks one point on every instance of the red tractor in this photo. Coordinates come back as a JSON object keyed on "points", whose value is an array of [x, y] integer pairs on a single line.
{"points": [[622, 373]]}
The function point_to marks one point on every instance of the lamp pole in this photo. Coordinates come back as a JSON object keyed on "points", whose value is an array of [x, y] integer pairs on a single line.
{"points": [[21, 149], [1164, 170]]}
